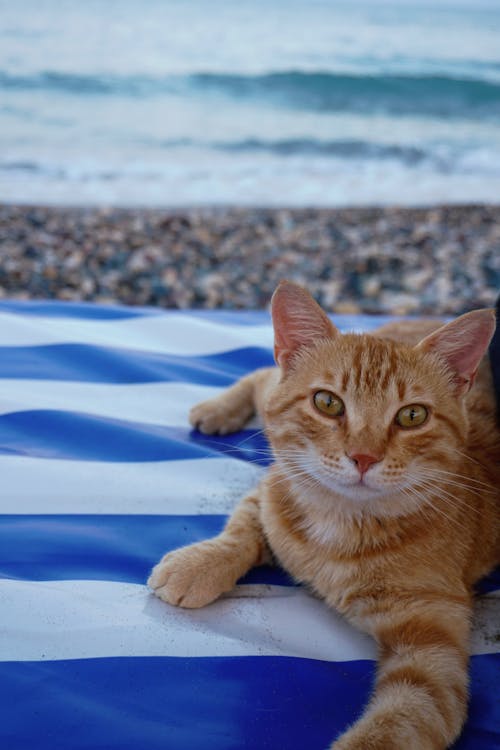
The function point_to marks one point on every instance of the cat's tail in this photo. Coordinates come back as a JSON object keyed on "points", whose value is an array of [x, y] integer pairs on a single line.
{"points": [[420, 696]]}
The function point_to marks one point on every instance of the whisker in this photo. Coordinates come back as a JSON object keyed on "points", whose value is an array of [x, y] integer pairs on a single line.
{"points": [[305, 480], [464, 455], [290, 477], [437, 487], [448, 499], [428, 501], [237, 452], [452, 483], [253, 435], [444, 472], [408, 493]]}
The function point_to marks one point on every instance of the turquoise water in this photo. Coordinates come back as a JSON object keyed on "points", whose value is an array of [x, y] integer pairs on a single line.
{"points": [[181, 102]]}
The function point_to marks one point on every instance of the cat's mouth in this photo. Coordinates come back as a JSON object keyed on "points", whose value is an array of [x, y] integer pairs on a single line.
{"points": [[352, 494], [360, 488], [364, 496], [356, 488]]}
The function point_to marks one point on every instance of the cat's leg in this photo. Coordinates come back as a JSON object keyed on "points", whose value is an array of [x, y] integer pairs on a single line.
{"points": [[420, 696], [196, 575], [231, 410]]}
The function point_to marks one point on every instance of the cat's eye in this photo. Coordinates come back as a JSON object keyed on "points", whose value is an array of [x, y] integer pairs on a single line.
{"points": [[412, 416], [328, 403]]}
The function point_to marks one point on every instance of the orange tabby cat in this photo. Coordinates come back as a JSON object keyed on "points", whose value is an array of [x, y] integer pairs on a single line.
{"points": [[383, 499]]}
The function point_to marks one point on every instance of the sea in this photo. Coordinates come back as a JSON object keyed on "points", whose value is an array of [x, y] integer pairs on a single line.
{"points": [[249, 102]]}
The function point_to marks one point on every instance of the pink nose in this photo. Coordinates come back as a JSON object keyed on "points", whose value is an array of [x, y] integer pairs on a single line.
{"points": [[363, 461]]}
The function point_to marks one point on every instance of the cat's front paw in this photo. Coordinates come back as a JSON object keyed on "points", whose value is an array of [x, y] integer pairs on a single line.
{"points": [[192, 576], [219, 416]]}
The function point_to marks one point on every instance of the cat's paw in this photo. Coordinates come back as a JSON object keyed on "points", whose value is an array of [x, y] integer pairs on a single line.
{"points": [[192, 576], [219, 416]]}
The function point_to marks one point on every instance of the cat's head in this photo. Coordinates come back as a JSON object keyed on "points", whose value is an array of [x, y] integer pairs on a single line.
{"points": [[372, 421]]}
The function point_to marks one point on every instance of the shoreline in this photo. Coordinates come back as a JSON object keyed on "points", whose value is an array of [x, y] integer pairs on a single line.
{"points": [[436, 260]]}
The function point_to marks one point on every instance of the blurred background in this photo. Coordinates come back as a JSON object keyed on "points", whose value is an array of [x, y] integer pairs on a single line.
{"points": [[176, 102], [187, 106]]}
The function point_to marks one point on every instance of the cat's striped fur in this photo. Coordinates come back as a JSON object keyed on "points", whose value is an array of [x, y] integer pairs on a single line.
{"points": [[390, 525]]}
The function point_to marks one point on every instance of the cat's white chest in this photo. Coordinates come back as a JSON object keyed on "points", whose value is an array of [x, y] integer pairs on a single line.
{"points": [[309, 556]]}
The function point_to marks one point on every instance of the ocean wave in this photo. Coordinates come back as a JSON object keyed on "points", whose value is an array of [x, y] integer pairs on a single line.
{"points": [[435, 95], [346, 149], [436, 157], [79, 83]]}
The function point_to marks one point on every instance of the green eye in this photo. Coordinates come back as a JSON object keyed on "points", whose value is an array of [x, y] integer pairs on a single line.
{"points": [[329, 403], [412, 416]]}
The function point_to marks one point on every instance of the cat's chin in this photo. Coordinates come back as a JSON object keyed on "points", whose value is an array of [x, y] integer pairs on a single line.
{"points": [[352, 490], [358, 492], [350, 497], [360, 497], [355, 498]]}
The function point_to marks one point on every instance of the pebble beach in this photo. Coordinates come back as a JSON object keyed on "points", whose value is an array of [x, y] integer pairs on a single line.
{"points": [[442, 260]]}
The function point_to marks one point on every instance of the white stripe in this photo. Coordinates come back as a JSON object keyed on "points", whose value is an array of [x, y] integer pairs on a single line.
{"points": [[150, 403], [174, 333], [184, 487], [52, 620], [87, 619]]}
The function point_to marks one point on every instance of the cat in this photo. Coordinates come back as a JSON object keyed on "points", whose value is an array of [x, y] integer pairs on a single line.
{"points": [[383, 499]]}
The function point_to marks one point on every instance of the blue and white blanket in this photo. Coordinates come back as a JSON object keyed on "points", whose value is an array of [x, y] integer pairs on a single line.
{"points": [[100, 475]]}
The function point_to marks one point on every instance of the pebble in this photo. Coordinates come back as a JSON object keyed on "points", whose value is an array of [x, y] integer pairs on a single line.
{"points": [[442, 260]]}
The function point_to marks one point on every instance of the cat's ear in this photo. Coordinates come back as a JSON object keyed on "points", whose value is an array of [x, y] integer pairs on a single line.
{"points": [[461, 344], [298, 321]]}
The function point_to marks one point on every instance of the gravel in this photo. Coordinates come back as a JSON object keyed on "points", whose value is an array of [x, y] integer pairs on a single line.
{"points": [[431, 261]]}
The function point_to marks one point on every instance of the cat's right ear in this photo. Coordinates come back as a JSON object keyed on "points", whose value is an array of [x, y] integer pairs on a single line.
{"points": [[298, 321], [461, 345]]}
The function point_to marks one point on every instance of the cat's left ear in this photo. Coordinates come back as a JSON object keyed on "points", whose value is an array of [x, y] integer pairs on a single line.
{"points": [[298, 322], [461, 344]]}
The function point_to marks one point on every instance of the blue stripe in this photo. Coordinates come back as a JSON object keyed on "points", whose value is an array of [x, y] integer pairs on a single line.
{"points": [[94, 311], [85, 437], [231, 703], [81, 310], [489, 583], [104, 548], [116, 548], [262, 317], [99, 364], [232, 317]]}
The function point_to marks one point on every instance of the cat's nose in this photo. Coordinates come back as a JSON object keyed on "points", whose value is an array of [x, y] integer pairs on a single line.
{"points": [[363, 461]]}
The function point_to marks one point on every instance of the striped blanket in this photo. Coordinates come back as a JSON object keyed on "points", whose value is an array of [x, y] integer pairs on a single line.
{"points": [[100, 475]]}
